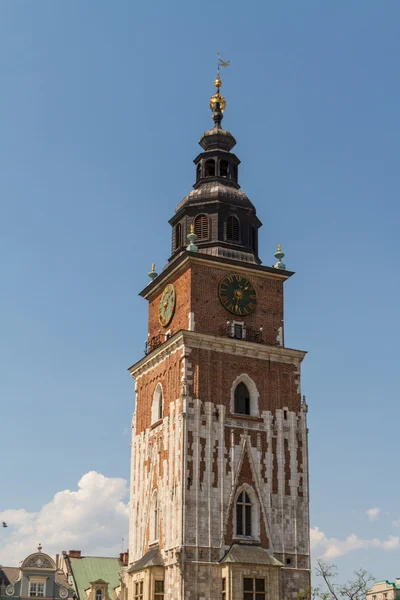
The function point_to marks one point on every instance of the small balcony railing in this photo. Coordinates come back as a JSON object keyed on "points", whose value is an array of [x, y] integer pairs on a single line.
{"points": [[153, 342], [240, 331]]}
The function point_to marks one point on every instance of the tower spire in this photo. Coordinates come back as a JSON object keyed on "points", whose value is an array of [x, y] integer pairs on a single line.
{"points": [[217, 101]]}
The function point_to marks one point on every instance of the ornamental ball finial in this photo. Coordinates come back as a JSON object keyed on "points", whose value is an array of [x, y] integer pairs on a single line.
{"points": [[152, 274], [279, 255]]}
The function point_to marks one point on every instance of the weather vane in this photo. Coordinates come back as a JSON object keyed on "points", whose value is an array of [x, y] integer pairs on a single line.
{"points": [[217, 99]]}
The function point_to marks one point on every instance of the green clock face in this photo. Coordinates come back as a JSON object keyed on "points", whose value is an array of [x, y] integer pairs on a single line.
{"points": [[237, 294], [167, 305]]}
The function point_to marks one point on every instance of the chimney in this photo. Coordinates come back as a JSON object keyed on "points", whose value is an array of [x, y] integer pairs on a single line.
{"points": [[74, 553], [124, 558]]}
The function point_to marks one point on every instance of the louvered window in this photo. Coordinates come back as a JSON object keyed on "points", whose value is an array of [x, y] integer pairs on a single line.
{"points": [[178, 236], [201, 227], [232, 229]]}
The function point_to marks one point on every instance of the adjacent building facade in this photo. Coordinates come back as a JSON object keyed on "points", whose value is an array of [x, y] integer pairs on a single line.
{"points": [[37, 577], [93, 577], [385, 590], [219, 473]]}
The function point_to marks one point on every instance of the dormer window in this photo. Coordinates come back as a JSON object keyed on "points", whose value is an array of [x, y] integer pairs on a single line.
{"points": [[36, 589], [98, 594], [201, 227], [223, 168], [210, 168], [232, 229]]}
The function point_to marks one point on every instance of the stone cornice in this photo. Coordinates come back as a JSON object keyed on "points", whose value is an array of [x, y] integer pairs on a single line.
{"points": [[192, 339]]}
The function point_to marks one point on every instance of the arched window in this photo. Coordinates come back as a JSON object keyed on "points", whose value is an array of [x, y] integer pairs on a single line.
{"points": [[198, 172], [178, 236], [157, 406], [223, 168], [232, 229], [242, 399], [201, 227], [243, 514], [210, 168], [244, 396], [98, 594], [154, 518]]}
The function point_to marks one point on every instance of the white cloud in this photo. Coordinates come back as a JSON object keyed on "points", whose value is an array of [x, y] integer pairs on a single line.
{"points": [[373, 514], [94, 519], [329, 548], [396, 523]]}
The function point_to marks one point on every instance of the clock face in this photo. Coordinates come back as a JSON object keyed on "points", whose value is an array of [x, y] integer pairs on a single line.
{"points": [[237, 294], [167, 305]]}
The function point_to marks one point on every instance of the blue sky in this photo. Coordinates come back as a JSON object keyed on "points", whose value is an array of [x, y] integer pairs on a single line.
{"points": [[102, 106]]}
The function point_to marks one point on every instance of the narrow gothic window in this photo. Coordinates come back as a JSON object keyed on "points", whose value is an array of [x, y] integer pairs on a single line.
{"points": [[198, 172], [223, 168], [210, 168], [242, 399], [154, 517], [178, 236], [201, 227], [157, 407], [243, 514], [98, 594], [232, 229]]}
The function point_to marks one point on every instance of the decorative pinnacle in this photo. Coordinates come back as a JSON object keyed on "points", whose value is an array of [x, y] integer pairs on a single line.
{"points": [[39, 547], [279, 255], [192, 237], [152, 274]]}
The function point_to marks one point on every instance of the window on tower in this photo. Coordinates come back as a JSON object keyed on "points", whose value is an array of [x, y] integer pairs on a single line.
{"points": [[253, 238], [201, 227], [154, 515], [210, 168], [242, 399], [232, 229], [223, 168], [178, 236], [243, 515], [157, 406], [198, 172]]}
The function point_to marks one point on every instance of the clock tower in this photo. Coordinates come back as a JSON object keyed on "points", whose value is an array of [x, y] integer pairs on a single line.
{"points": [[219, 474]]}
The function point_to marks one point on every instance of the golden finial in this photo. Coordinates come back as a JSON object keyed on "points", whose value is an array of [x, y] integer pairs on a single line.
{"points": [[192, 228], [153, 266], [279, 247], [218, 98]]}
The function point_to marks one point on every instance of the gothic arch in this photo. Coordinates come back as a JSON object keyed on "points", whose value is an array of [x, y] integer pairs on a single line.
{"points": [[254, 394], [157, 406], [154, 518], [255, 512]]}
